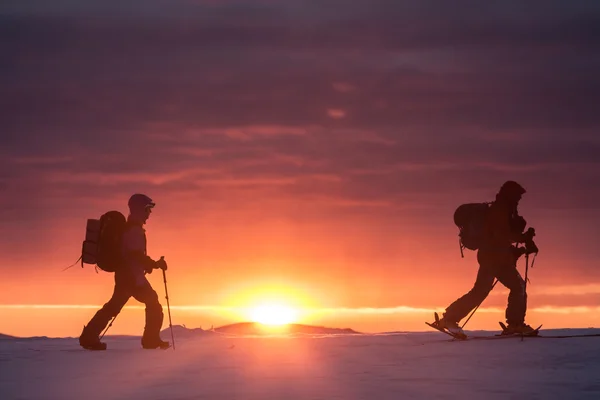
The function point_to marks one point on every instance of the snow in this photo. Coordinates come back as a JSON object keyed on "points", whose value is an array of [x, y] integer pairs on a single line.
{"points": [[388, 366]]}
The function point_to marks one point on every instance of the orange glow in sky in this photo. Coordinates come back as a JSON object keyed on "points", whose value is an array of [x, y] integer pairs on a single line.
{"points": [[305, 171], [273, 314]]}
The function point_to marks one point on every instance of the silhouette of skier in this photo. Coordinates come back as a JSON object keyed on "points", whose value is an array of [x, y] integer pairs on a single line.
{"points": [[497, 258], [130, 281]]}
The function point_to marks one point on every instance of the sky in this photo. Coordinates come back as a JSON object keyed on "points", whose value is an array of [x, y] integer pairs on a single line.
{"points": [[309, 153]]}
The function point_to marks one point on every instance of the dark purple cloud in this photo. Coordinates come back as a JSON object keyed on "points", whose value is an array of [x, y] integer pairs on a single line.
{"points": [[368, 108]]}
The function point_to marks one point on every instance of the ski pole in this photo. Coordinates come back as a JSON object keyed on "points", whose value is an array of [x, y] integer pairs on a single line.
{"points": [[526, 271], [525, 286], [473, 312], [168, 307], [109, 325]]}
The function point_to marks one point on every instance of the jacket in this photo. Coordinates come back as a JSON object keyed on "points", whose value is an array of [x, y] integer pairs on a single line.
{"points": [[136, 261]]}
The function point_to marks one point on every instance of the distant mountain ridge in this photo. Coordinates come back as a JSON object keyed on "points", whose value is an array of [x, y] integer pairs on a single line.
{"points": [[255, 328], [3, 336]]}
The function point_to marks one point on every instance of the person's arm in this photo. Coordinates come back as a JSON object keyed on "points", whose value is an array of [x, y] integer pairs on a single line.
{"points": [[134, 248], [497, 226]]}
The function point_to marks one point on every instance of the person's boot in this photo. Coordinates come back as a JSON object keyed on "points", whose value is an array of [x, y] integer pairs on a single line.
{"points": [[154, 343], [520, 329], [451, 326], [154, 319], [90, 336], [90, 340]]}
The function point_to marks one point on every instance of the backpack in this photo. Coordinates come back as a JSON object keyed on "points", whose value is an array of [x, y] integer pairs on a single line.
{"points": [[470, 219], [102, 244]]}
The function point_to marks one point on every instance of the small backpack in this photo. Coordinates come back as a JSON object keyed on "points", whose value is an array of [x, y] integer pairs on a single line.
{"points": [[470, 219], [102, 244]]}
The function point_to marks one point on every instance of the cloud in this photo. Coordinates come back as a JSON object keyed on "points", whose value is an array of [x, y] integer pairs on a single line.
{"points": [[378, 111], [231, 67], [582, 289]]}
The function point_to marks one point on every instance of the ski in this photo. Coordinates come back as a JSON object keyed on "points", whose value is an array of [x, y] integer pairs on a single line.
{"points": [[501, 335], [568, 336], [535, 332], [435, 325]]}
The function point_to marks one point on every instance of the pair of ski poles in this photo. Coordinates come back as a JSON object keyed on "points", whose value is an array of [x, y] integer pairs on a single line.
{"points": [[168, 308], [496, 281]]}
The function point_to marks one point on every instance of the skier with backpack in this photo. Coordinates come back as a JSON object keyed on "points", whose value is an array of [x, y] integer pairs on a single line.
{"points": [[491, 229], [118, 245]]}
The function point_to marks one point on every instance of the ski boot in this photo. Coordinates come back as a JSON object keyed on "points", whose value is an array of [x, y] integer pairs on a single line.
{"points": [[519, 329], [156, 343], [90, 341], [448, 327], [452, 327]]}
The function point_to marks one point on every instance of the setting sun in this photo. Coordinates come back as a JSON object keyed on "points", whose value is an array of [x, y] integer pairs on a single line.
{"points": [[273, 314]]}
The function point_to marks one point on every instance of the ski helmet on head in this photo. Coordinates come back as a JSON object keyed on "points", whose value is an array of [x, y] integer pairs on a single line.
{"points": [[511, 189], [140, 202]]}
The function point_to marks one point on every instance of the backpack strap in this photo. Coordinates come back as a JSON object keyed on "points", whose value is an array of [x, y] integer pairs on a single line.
{"points": [[75, 263]]}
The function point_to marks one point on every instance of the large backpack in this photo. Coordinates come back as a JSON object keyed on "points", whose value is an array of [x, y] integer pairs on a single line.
{"points": [[102, 244], [470, 219]]}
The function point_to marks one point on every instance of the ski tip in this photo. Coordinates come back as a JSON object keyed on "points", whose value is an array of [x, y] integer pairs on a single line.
{"points": [[502, 325], [455, 336]]}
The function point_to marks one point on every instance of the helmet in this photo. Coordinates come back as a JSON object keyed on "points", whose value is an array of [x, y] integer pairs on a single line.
{"points": [[140, 202], [511, 189]]}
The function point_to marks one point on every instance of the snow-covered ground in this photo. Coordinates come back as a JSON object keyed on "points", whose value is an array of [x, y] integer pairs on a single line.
{"points": [[392, 366]]}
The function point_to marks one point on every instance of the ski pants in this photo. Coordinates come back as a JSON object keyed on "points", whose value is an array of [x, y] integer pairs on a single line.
{"points": [[125, 288], [492, 266]]}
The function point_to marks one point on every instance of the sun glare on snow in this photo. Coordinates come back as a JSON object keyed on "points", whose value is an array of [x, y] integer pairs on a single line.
{"points": [[273, 314]]}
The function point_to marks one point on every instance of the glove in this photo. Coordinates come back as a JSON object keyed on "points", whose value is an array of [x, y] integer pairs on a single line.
{"points": [[531, 247], [162, 264], [528, 235]]}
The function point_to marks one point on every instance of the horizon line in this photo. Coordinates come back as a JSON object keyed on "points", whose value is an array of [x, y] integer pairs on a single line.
{"points": [[346, 310]]}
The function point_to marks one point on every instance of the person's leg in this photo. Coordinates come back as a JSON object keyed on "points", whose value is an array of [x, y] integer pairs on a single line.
{"points": [[90, 336], [516, 309], [154, 315], [464, 305]]}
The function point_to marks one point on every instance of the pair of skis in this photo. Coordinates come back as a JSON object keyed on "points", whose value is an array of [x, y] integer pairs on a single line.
{"points": [[436, 325]]}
